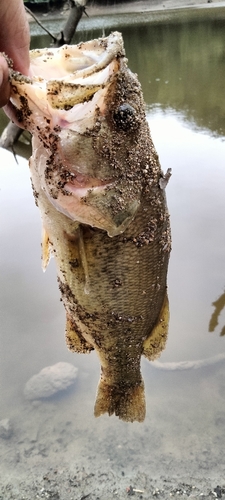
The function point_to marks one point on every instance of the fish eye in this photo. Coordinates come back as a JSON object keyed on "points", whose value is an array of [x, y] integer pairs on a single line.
{"points": [[125, 117]]}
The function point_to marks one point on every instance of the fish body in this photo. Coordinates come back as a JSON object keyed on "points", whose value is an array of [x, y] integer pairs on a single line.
{"points": [[99, 186]]}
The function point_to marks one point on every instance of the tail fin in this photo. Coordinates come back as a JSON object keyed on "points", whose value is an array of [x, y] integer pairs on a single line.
{"points": [[128, 403]]}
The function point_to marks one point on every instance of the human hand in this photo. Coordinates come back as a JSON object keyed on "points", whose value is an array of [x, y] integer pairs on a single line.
{"points": [[14, 42]]}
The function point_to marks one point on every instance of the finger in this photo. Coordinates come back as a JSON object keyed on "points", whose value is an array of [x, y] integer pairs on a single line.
{"points": [[11, 112], [4, 82], [14, 33]]}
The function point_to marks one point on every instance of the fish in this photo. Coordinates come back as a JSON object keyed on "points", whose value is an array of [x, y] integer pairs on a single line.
{"points": [[100, 189]]}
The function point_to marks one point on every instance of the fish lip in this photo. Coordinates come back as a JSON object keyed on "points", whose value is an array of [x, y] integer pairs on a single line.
{"points": [[107, 49], [45, 90]]}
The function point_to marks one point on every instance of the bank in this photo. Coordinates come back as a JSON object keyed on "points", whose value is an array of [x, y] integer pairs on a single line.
{"points": [[116, 16]]}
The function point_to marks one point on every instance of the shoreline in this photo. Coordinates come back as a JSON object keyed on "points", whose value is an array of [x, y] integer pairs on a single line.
{"points": [[132, 7], [141, 6]]}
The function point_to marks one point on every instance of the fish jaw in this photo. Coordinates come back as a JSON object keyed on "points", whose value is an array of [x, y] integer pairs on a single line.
{"points": [[67, 106], [81, 198]]}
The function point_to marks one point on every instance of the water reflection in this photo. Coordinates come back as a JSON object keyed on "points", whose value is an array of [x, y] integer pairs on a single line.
{"points": [[63, 430], [182, 67]]}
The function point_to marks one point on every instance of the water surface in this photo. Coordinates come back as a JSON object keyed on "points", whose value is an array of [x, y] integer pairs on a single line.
{"points": [[181, 69]]}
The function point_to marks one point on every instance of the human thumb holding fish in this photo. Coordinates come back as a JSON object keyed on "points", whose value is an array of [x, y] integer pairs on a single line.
{"points": [[14, 42]]}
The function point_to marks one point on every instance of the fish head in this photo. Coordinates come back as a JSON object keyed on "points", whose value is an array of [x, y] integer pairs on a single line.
{"points": [[85, 110]]}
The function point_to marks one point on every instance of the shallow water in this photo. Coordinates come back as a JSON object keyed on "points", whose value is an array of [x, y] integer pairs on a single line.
{"points": [[182, 78]]}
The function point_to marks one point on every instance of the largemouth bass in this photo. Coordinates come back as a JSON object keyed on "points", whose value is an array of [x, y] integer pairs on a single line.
{"points": [[99, 186]]}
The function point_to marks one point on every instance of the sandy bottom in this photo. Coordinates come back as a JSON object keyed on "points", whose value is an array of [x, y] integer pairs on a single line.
{"points": [[97, 484]]}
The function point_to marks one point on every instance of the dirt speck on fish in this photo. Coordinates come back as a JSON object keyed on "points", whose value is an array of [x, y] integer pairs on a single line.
{"points": [[98, 184]]}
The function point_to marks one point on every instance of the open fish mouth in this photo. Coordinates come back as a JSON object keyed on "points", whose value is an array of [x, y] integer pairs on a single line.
{"points": [[70, 104], [72, 75], [64, 79], [84, 60]]}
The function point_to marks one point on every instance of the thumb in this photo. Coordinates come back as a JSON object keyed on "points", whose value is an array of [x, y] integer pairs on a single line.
{"points": [[4, 82]]}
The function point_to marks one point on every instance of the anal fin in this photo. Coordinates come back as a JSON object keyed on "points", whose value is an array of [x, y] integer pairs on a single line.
{"points": [[156, 342], [75, 341]]}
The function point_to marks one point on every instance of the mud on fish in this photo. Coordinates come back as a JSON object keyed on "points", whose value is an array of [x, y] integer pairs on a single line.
{"points": [[99, 186]]}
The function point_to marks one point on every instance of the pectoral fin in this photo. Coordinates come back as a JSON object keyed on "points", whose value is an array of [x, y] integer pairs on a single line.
{"points": [[156, 342], [46, 250], [75, 341]]}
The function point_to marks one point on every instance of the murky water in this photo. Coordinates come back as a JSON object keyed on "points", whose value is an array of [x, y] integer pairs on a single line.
{"points": [[181, 68]]}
